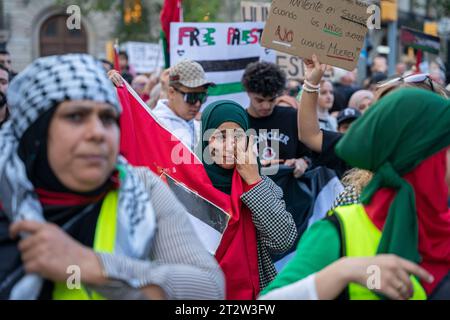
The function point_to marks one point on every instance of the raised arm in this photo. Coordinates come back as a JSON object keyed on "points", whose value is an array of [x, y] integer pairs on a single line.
{"points": [[308, 123]]}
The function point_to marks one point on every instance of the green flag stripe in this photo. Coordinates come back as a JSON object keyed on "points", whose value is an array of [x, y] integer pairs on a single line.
{"points": [[226, 88], [425, 48], [165, 49]]}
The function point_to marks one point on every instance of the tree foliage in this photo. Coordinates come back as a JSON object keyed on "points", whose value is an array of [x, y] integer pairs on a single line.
{"points": [[146, 29], [201, 10]]}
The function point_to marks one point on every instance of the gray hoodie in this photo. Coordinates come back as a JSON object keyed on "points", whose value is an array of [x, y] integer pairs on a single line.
{"points": [[186, 131]]}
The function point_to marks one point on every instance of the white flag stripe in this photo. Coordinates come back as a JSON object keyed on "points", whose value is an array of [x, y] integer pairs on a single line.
{"points": [[219, 48], [209, 236], [325, 200], [225, 77], [241, 98]]}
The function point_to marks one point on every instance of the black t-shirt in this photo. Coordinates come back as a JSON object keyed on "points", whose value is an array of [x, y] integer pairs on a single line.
{"points": [[281, 127], [328, 157]]}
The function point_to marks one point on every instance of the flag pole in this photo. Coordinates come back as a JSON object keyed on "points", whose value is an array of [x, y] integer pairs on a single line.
{"points": [[116, 55]]}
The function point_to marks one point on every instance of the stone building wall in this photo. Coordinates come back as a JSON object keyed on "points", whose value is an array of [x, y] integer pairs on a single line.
{"points": [[24, 19]]}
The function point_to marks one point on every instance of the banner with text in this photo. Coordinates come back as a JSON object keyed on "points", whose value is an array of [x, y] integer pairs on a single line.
{"points": [[259, 11], [224, 50], [144, 57], [334, 30]]}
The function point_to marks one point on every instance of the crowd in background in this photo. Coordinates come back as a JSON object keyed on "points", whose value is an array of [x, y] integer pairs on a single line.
{"points": [[65, 184]]}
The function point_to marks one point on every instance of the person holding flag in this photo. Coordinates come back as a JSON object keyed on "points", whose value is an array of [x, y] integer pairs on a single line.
{"points": [[224, 172], [260, 224], [187, 91]]}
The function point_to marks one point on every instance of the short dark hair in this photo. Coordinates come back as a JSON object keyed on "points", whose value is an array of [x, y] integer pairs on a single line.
{"points": [[264, 78], [123, 53], [5, 52], [107, 62], [2, 67]]}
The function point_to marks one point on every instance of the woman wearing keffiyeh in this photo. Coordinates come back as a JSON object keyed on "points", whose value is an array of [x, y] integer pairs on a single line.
{"points": [[69, 202]]}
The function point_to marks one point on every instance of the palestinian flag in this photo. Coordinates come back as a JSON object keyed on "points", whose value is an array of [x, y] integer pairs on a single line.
{"points": [[172, 11], [224, 50], [220, 220], [227, 75], [145, 142]]}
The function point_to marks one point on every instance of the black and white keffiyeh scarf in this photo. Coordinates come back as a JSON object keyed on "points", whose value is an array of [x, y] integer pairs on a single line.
{"points": [[42, 86]]}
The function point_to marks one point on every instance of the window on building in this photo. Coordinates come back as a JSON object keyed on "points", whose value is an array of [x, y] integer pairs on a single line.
{"points": [[56, 38]]}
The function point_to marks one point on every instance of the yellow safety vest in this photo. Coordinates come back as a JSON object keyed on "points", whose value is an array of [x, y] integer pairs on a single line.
{"points": [[360, 238], [104, 241]]}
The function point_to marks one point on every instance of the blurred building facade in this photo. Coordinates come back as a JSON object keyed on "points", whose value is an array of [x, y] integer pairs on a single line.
{"points": [[35, 28]]}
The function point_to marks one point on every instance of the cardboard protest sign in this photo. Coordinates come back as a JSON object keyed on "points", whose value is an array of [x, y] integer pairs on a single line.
{"points": [[334, 30], [259, 11], [224, 50], [291, 65], [144, 57], [420, 41]]}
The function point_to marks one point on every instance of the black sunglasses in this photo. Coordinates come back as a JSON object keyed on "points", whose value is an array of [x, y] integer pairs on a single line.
{"points": [[193, 97]]}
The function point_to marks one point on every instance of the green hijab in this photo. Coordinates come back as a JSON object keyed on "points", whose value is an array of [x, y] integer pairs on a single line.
{"points": [[392, 139], [213, 116]]}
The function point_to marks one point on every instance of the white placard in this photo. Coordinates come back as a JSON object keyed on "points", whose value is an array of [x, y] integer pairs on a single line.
{"points": [[224, 50], [144, 57]]}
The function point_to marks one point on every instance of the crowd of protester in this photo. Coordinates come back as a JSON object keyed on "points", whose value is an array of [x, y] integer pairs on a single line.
{"points": [[68, 197]]}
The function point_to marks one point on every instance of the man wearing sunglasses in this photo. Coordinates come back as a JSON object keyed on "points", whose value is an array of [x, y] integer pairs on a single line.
{"points": [[187, 92]]}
